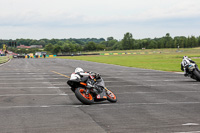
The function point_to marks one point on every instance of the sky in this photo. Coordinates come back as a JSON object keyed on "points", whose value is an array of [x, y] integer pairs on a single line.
{"points": [[38, 19]]}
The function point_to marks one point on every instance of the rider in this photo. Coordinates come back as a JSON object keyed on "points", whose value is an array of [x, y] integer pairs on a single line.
{"points": [[184, 64], [82, 73], [85, 76]]}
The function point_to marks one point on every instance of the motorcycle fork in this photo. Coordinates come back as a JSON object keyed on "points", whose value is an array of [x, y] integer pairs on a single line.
{"points": [[107, 91]]}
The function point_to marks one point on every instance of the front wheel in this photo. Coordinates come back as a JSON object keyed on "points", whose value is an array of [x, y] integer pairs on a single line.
{"points": [[197, 74], [111, 96], [73, 89], [83, 97]]}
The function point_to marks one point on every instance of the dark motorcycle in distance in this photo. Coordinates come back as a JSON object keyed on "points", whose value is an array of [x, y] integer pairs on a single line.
{"points": [[190, 68], [90, 89]]}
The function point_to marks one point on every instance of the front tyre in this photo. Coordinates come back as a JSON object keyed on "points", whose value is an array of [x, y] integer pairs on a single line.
{"points": [[73, 89], [197, 74], [111, 96], [83, 97]]}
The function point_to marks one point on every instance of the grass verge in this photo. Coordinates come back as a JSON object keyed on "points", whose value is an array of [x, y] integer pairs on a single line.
{"points": [[167, 60], [3, 59]]}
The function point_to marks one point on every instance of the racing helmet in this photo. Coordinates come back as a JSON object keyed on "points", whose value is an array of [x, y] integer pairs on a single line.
{"points": [[78, 69], [185, 57]]}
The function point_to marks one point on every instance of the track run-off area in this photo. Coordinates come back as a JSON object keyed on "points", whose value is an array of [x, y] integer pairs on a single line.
{"points": [[35, 98]]}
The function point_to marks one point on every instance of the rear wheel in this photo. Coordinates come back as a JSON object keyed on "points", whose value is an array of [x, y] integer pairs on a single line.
{"points": [[83, 97], [197, 74], [111, 96]]}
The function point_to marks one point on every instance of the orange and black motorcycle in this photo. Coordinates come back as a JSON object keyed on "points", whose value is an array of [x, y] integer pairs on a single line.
{"points": [[90, 89]]}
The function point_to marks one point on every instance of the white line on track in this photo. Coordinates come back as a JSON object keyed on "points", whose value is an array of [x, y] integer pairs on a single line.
{"points": [[189, 132], [179, 72], [44, 106], [159, 92], [25, 73], [60, 84], [111, 86], [108, 86], [64, 83], [26, 83], [30, 78], [64, 94], [32, 87], [104, 104], [190, 124], [167, 80], [52, 83], [8, 95], [133, 104]]}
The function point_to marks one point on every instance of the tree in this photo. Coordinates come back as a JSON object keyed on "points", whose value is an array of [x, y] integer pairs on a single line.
{"points": [[117, 46], [72, 47], [153, 44], [56, 49], [42, 42], [60, 43], [100, 47], [110, 38], [161, 43], [33, 42], [65, 48], [78, 47], [49, 47], [189, 42], [111, 43], [168, 41], [198, 38], [194, 42], [128, 41], [91, 46], [53, 41]]}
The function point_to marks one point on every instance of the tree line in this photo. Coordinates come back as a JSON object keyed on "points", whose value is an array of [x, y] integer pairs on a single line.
{"points": [[73, 45]]}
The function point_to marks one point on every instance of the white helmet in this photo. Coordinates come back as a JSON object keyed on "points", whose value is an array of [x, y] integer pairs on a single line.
{"points": [[78, 69], [185, 57]]}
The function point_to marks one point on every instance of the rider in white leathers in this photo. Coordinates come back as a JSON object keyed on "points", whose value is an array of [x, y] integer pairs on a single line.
{"points": [[184, 64], [80, 73]]}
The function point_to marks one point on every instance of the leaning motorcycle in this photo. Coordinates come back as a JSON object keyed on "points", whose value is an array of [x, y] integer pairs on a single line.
{"points": [[95, 93], [190, 68]]}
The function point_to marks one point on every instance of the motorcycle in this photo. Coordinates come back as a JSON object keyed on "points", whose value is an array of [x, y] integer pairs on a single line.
{"points": [[90, 89], [190, 68]]}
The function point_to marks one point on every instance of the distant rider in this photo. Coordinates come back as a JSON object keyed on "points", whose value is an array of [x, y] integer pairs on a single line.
{"points": [[184, 64]]}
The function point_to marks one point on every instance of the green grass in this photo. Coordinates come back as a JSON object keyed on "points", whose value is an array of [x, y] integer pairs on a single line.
{"points": [[3, 59], [164, 59]]}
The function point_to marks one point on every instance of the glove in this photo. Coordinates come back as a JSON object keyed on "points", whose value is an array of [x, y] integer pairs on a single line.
{"points": [[91, 73], [97, 75]]}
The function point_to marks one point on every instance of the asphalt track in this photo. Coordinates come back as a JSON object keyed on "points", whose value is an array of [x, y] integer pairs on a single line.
{"points": [[34, 98]]}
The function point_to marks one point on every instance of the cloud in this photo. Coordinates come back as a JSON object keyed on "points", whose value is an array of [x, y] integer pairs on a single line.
{"points": [[98, 15]]}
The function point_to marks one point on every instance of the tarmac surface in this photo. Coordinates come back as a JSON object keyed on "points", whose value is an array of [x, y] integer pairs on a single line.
{"points": [[34, 98]]}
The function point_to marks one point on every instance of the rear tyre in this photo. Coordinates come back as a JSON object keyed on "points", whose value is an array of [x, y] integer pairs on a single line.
{"points": [[197, 74], [83, 97], [111, 96]]}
